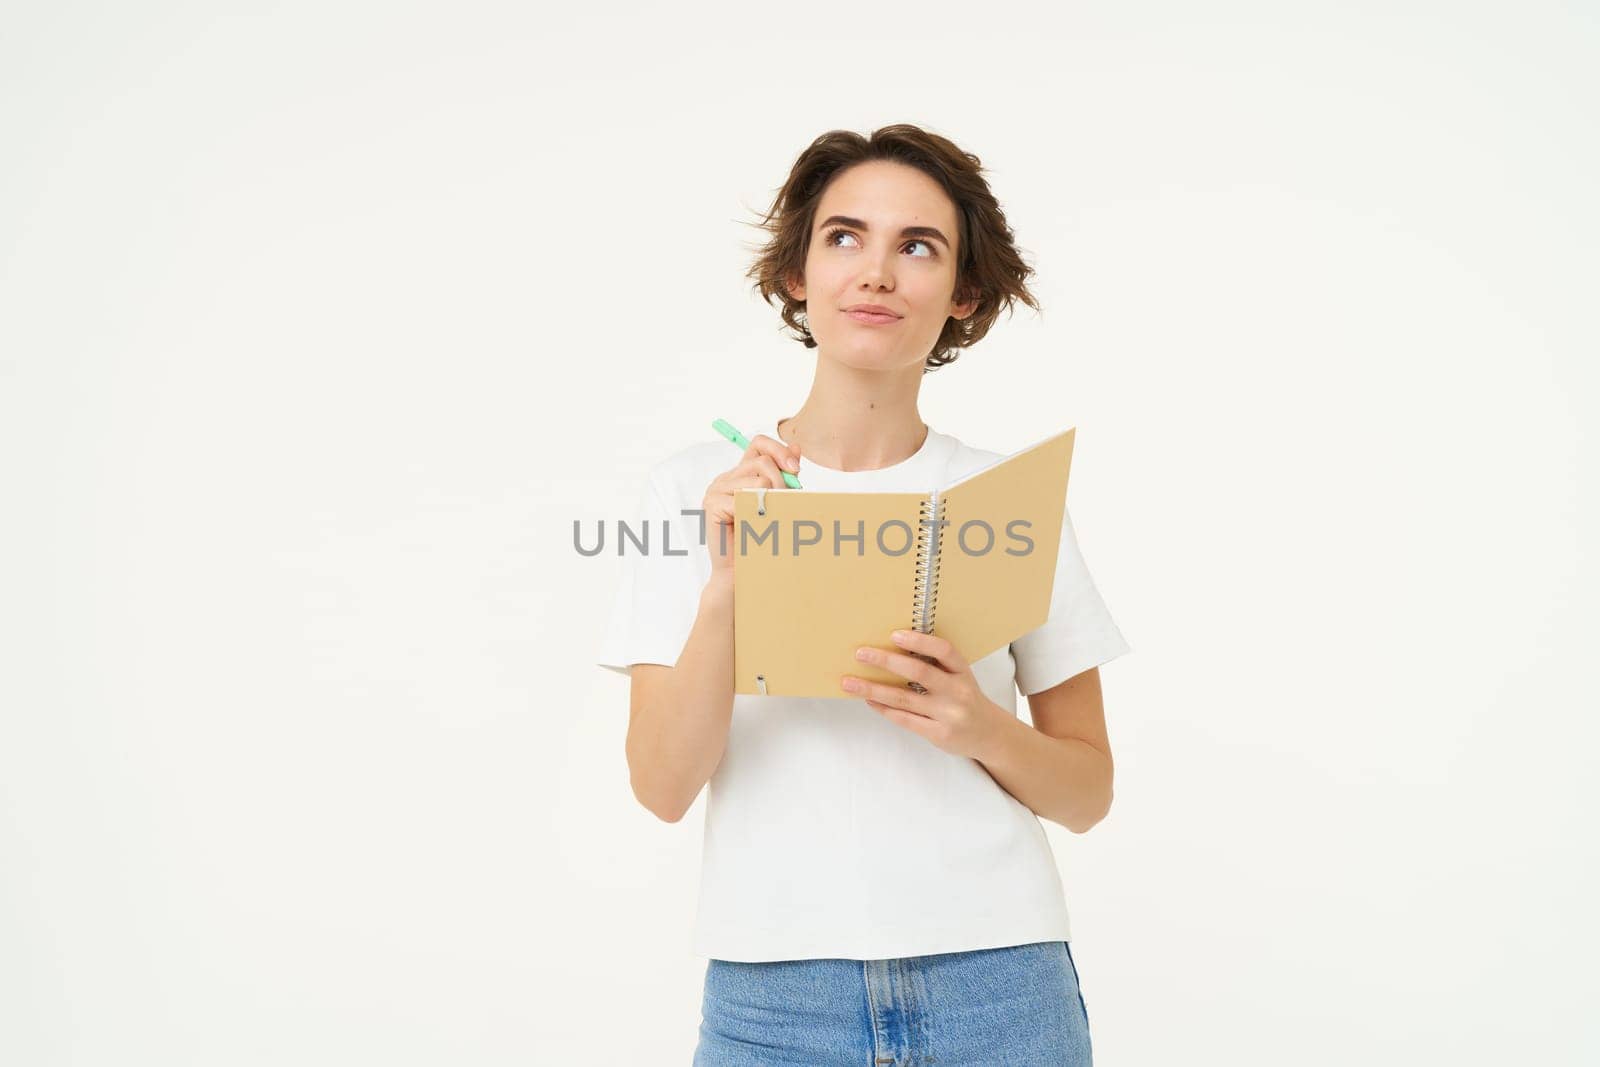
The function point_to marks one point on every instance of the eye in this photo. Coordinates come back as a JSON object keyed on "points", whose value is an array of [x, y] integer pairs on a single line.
{"points": [[829, 235]]}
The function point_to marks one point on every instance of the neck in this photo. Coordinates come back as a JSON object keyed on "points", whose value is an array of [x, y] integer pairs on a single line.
{"points": [[858, 420]]}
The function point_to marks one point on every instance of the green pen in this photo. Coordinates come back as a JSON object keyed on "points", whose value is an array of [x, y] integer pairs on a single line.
{"points": [[725, 428]]}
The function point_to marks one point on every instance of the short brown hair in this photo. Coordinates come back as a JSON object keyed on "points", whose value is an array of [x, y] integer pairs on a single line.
{"points": [[989, 267]]}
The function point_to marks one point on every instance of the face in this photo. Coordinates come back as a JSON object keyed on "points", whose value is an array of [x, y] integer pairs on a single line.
{"points": [[884, 233]]}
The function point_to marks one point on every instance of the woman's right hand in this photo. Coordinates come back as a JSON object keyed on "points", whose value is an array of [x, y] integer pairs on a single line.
{"points": [[759, 466]]}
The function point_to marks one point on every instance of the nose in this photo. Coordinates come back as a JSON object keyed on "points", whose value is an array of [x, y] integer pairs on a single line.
{"points": [[878, 272]]}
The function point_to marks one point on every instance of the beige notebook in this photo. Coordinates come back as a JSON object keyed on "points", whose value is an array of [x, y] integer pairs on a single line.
{"points": [[818, 575]]}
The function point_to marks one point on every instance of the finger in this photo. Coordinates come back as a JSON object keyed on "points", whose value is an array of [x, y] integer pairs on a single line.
{"points": [[741, 477], [718, 503], [720, 535], [939, 648], [918, 724], [746, 477], [781, 454], [769, 471], [896, 696], [917, 670], [786, 456], [726, 506]]}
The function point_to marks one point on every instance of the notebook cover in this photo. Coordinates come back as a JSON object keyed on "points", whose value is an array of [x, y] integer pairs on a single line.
{"points": [[798, 619], [801, 610], [988, 599]]}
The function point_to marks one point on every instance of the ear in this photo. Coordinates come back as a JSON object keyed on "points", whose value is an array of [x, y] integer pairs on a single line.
{"points": [[963, 309], [797, 289]]}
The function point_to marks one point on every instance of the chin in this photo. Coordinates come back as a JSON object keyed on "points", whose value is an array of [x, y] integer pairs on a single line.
{"points": [[869, 361], [867, 356]]}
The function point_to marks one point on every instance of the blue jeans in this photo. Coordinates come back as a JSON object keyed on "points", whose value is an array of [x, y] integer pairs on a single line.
{"points": [[1019, 1006]]}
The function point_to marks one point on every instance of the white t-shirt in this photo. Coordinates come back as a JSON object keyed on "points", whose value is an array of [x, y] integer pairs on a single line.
{"points": [[831, 832]]}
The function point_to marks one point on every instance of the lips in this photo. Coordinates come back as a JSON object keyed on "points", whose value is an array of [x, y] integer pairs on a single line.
{"points": [[873, 317]]}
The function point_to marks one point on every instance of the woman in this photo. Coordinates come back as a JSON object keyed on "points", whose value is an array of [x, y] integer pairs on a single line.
{"points": [[877, 888]]}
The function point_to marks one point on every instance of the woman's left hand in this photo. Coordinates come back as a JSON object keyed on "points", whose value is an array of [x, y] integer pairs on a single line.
{"points": [[952, 713]]}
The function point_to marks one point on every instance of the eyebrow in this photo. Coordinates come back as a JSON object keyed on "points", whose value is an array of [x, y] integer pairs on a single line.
{"points": [[909, 231]]}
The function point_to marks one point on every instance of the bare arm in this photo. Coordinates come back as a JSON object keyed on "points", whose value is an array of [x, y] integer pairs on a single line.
{"points": [[1061, 766], [679, 716]]}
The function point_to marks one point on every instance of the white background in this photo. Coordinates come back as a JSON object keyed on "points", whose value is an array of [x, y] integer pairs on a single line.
{"points": [[321, 323]]}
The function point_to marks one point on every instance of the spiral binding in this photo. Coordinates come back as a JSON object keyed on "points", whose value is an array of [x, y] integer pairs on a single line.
{"points": [[925, 598]]}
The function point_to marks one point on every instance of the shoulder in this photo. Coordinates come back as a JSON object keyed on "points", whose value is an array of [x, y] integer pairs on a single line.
{"points": [[682, 477]]}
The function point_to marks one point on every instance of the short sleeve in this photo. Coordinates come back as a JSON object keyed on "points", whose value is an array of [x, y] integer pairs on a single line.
{"points": [[657, 596], [1079, 632]]}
